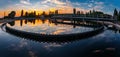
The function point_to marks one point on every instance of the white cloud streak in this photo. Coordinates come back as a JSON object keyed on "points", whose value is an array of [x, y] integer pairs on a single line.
{"points": [[53, 1], [65, 5], [26, 2]]}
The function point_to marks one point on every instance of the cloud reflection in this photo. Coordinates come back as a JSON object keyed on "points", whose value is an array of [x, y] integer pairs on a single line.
{"points": [[47, 27]]}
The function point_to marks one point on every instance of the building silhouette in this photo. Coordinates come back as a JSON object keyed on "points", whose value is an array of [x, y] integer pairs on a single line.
{"points": [[22, 12], [56, 11], [74, 11]]}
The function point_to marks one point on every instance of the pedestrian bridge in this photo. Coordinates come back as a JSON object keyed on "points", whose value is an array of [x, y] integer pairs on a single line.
{"points": [[82, 18]]}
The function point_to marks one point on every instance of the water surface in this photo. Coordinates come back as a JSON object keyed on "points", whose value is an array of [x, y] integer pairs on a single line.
{"points": [[106, 44], [47, 27]]}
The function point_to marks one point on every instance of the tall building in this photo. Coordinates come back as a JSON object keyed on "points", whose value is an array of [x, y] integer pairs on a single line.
{"points": [[56, 11], [22, 13], [74, 11], [78, 12]]}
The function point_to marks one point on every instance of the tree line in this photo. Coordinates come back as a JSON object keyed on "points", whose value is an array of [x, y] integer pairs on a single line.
{"points": [[11, 15], [32, 14], [116, 14]]}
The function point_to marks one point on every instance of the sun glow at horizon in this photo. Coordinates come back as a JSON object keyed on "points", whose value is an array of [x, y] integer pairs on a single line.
{"points": [[18, 12]]}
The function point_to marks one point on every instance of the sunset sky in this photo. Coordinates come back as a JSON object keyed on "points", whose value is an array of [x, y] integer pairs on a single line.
{"points": [[64, 6]]}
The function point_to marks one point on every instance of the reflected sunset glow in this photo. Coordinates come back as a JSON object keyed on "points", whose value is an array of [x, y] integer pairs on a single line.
{"points": [[46, 27]]}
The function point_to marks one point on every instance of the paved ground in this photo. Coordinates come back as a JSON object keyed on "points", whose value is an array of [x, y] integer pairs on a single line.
{"points": [[116, 25], [6, 20]]}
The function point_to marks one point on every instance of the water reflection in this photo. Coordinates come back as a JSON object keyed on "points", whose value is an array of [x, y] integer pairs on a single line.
{"points": [[45, 26], [12, 23], [106, 44], [69, 33]]}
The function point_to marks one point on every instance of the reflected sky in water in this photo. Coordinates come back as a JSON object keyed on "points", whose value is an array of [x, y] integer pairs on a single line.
{"points": [[106, 44], [46, 27]]}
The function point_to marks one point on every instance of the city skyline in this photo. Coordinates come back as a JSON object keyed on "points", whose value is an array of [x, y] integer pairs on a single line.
{"points": [[64, 6]]}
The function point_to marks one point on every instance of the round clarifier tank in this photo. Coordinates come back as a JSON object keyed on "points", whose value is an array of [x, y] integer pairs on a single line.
{"points": [[47, 27]]}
